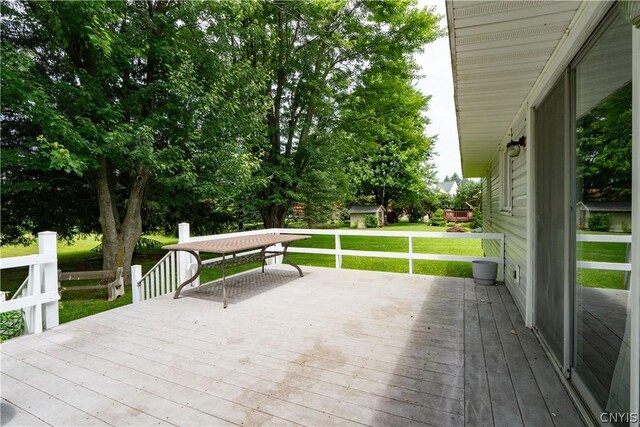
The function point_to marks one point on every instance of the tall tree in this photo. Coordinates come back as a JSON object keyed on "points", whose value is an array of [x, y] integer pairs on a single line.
{"points": [[315, 54], [130, 99], [389, 114]]}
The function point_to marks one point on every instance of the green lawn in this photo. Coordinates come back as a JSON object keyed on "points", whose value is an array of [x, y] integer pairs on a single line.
{"points": [[603, 252], [471, 247], [79, 257]]}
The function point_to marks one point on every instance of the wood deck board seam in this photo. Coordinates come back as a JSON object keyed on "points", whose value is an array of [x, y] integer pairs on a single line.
{"points": [[178, 384], [514, 371], [343, 337], [14, 405], [263, 379], [497, 380], [188, 325], [264, 394], [77, 385], [329, 370], [484, 354], [525, 332], [449, 331], [328, 359], [119, 381], [56, 398], [504, 353]]}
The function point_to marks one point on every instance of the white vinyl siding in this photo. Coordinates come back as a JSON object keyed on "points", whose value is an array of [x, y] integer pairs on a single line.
{"points": [[513, 225]]}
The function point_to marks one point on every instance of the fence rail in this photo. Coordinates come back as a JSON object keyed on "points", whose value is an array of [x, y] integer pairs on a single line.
{"points": [[168, 273], [606, 238], [38, 298]]}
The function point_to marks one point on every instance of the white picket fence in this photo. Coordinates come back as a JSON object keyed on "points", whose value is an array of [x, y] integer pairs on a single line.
{"points": [[172, 270], [39, 296]]}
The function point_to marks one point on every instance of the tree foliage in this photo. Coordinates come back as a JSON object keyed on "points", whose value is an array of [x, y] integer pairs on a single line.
{"points": [[120, 117], [315, 53], [132, 101], [603, 137], [467, 196]]}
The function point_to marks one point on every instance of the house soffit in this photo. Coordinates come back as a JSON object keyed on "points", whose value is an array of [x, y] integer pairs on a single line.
{"points": [[498, 51]]}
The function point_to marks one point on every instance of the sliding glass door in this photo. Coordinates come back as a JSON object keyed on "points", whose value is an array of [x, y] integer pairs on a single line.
{"points": [[602, 123]]}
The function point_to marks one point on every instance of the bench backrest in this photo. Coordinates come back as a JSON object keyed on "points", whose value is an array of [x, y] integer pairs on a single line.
{"points": [[89, 275]]}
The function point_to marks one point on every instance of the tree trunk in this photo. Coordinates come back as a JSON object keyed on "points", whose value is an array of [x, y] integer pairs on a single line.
{"points": [[273, 216], [119, 238]]}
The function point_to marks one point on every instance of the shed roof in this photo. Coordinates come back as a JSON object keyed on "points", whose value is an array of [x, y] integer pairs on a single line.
{"points": [[365, 209], [605, 206]]}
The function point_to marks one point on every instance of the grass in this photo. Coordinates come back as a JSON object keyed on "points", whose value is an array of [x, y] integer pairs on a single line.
{"points": [[603, 252], [80, 257], [471, 247]]}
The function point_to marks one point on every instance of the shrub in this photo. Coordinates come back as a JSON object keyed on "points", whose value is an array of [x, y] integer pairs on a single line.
{"points": [[11, 324], [371, 221], [438, 218], [599, 222], [626, 227], [476, 220], [465, 224], [451, 224]]}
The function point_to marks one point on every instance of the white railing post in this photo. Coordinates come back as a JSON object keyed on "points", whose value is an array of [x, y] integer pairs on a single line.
{"points": [[33, 315], [410, 255], [136, 289], [47, 246], [338, 251], [184, 259]]}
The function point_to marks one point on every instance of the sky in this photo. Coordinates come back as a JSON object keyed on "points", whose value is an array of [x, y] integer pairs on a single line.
{"points": [[437, 81]]}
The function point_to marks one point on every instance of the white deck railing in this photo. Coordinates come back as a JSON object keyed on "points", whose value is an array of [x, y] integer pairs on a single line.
{"points": [[606, 238], [39, 297], [167, 274]]}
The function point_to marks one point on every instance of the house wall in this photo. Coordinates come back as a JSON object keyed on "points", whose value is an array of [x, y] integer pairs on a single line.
{"points": [[513, 224]]}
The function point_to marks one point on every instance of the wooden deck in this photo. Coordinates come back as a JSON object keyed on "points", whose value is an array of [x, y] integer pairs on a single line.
{"points": [[337, 347]]}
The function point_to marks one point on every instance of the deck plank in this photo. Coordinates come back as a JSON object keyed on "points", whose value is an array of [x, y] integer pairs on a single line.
{"points": [[332, 348], [43, 406], [477, 406], [504, 403], [82, 397], [561, 409], [11, 415], [532, 405]]}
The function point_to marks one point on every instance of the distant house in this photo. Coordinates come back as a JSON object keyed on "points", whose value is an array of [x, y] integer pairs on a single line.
{"points": [[358, 214], [619, 214], [449, 187]]}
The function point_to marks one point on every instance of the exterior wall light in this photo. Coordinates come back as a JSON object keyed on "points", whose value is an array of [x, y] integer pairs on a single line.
{"points": [[513, 147]]}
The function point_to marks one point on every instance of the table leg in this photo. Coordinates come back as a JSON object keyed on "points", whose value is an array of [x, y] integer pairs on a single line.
{"points": [[224, 283], [262, 258], [285, 258], [192, 278]]}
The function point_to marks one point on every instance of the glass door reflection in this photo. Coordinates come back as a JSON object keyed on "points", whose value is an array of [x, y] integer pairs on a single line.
{"points": [[603, 131]]}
